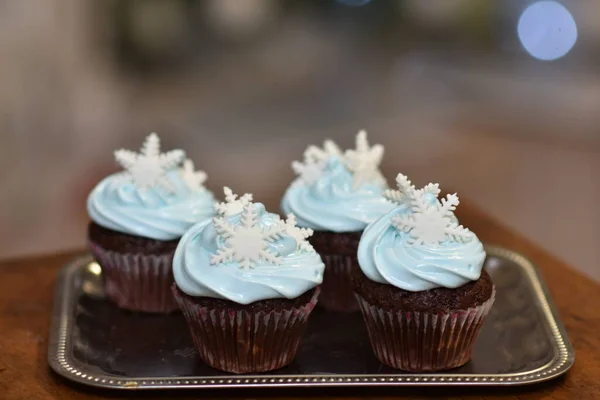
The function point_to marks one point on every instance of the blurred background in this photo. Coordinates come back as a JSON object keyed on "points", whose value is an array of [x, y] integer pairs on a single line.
{"points": [[498, 100]]}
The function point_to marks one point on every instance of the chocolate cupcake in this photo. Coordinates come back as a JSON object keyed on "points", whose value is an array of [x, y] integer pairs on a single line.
{"points": [[137, 218], [421, 287], [337, 195], [246, 282]]}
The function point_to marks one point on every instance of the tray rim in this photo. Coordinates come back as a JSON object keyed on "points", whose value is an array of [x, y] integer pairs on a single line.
{"points": [[60, 361]]}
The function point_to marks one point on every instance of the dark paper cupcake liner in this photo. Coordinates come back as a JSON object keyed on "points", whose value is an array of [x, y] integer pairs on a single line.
{"points": [[420, 341], [137, 282], [337, 294], [241, 341]]}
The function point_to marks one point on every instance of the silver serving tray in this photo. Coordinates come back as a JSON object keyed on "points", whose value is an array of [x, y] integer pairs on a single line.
{"points": [[95, 343]]}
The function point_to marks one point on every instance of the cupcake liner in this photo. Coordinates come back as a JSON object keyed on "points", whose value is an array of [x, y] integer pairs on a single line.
{"points": [[337, 287], [137, 282], [244, 341], [421, 341]]}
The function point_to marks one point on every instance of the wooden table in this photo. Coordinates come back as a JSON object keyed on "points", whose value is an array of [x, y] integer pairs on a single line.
{"points": [[26, 290]]}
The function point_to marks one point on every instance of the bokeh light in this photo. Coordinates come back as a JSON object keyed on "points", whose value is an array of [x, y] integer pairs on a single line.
{"points": [[547, 30]]}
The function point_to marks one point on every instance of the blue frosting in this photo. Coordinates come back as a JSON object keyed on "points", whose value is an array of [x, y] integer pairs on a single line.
{"points": [[385, 257], [332, 204], [195, 275], [152, 213]]}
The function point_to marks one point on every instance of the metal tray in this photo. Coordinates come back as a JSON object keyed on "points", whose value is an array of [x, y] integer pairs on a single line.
{"points": [[95, 343]]}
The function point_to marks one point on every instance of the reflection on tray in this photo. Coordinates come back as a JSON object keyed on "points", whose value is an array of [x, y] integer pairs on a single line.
{"points": [[127, 344]]}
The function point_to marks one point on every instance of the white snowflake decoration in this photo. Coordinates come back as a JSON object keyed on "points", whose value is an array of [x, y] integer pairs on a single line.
{"points": [[232, 205], [364, 161], [330, 149], [308, 172], [246, 242], [430, 221], [148, 168], [299, 234], [315, 161], [192, 178], [402, 194], [406, 190]]}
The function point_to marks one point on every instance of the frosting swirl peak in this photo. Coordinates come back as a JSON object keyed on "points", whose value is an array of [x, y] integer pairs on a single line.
{"points": [[419, 245], [338, 192], [247, 257], [153, 197]]}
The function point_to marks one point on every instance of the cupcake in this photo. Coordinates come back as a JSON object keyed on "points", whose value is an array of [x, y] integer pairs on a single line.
{"points": [[337, 195], [246, 282], [420, 287], [137, 218]]}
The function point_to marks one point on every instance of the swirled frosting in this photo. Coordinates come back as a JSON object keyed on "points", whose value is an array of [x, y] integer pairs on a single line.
{"points": [[331, 203], [154, 213], [196, 275], [385, 256]]}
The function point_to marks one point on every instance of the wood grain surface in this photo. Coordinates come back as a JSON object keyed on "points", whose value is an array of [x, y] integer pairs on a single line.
{"points": [[26, 291]]}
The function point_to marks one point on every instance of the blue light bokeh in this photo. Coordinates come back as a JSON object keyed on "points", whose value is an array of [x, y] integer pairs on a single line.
{"points": [[547, 30]]}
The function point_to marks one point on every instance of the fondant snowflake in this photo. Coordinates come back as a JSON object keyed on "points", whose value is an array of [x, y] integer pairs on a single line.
{"points": [[246, 242], [364, 161], [406, 190], [308, 172], [330, 149], [192, 178], [430, 221], [148, 168], [232, 205], [315, 161], [299, 234]]}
